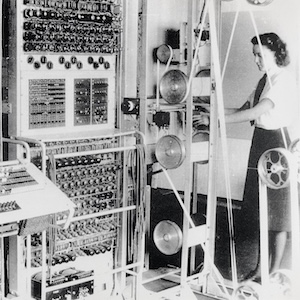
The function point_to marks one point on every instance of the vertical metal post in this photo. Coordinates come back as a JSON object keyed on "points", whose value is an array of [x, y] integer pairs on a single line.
{"points": [[142, 65], [124, 227], [1, 96], [13, 88], [212, 175], [119, 79], [2, 267], [264, 233], [194, 210], [188, 143], [44, 264], [147, 222]]}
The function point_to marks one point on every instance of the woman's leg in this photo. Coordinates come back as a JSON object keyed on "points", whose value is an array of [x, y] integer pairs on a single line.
{"points": [[277, 247]]}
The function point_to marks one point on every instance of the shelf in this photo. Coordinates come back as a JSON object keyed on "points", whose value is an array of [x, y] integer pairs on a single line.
{"points": [[152, 275], [68, 284]]}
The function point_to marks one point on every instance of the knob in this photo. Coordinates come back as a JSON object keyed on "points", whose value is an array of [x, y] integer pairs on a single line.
{"points": [[49, 65], [43, 59], [37, 65]]}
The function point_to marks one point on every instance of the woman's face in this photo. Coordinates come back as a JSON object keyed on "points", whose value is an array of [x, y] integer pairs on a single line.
{"points": [[266, 60]]}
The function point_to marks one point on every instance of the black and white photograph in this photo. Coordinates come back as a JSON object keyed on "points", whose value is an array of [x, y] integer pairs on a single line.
{"points": [[150, 150]]}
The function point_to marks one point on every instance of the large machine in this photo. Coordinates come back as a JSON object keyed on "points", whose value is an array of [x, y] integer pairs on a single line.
{"points": [[62, 77], [108, 186], [62, 57]]}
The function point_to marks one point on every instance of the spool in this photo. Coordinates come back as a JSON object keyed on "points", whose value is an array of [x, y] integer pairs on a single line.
{"points": [[163, 53], [173, 86], [274, 167], [200, 136], [170, 151], [167, 237]]}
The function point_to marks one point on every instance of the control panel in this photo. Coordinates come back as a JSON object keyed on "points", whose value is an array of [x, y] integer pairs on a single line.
{"points": [[66, 55], [90, 172], [69, 283], [71, 26], [22, 187], [14, 177], [91, 182]]}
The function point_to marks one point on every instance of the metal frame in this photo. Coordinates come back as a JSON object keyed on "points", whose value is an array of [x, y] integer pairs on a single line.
{"points": [[212, 281]]}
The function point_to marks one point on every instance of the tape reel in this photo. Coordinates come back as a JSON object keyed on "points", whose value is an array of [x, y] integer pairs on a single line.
{"points": [[170, 151], [167, 237], [164, 53], [173, 86], [274, 167]]}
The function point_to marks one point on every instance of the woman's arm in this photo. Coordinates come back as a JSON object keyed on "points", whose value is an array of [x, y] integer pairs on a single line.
{"points": [[229, 111], [243, 114], [250, 114]]}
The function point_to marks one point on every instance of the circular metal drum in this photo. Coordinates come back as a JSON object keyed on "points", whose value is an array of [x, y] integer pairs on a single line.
{"points": [[167, 237], [248, 291], [274, 167], [173, 86], [163, 53], [201, 136], [170, 151]]}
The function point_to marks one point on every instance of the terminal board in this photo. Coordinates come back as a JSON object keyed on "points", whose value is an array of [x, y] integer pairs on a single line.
{"points": [[26, 193], [62, 65]]}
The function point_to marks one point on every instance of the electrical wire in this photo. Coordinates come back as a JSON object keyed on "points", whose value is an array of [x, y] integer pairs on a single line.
{"points": [[231, 38], [221, 116], [205, 11], [137, 175]]}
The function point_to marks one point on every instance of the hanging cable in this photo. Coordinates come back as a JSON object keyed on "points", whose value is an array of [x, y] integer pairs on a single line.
{"points": [[192, 224], [221, 115], [202, 13], [231, 38], [137, 175], [205, 10]]}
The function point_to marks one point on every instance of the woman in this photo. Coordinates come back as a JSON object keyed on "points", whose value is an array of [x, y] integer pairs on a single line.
{"points": [[270, 108]]}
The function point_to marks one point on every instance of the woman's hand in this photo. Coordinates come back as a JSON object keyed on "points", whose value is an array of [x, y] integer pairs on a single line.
{"points": [[202, 119]]}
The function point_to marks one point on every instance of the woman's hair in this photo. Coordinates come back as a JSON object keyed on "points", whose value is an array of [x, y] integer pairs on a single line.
{"points": [[273, 42]]}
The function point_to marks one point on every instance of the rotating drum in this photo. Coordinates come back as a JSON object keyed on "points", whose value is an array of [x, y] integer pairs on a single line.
{"points": [[167, 237], [201, 136], [163, 53], [173, 86], [274, 167], [170, 151]]}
